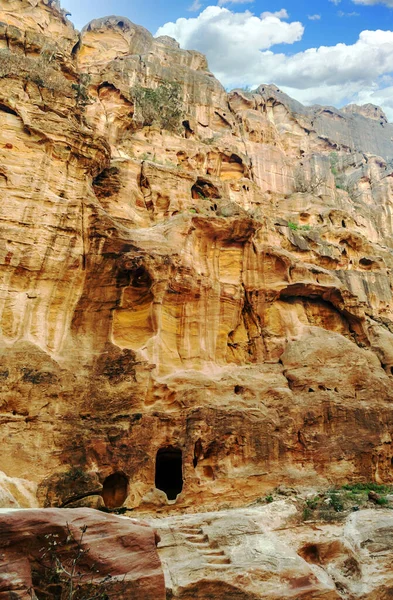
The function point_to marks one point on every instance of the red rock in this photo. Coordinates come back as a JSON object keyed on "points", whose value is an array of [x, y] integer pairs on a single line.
{"points": [[117, 548]]}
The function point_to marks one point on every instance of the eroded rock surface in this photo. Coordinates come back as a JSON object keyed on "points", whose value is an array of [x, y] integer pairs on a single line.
{"points": [[264, 553], [216, 289], [114, 556]]}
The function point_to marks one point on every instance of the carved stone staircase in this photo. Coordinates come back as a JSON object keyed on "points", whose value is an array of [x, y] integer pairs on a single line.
{"points": [[213, 556]]}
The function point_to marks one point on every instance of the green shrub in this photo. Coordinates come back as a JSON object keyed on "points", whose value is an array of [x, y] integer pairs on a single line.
{"points": [[269, 499], [161, 106], [313, 503], [296, 227], [335, 502], [382, 501], [368, 487]]}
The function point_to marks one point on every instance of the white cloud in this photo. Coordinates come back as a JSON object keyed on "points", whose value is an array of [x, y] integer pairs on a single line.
{"points": [[195, 6], [222, 2], [372, 2], [314, 17], [231, 40], [280, 14], [341, 13], [238, 47]]}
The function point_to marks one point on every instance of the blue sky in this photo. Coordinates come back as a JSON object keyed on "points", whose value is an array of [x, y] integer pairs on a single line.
{"points": [[325, 51]]}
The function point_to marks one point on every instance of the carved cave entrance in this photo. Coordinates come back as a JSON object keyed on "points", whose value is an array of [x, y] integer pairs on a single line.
{"points": [[169, 471], [115, 490]]}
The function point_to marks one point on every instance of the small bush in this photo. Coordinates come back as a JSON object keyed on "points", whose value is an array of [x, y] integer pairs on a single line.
{"points": [[306, 183], [82, 90], [368, 487], [161, 106], [56, 573], [382, 501], [41, 71], [269, 499], [313, 503], [335, 502], [295, 227]]}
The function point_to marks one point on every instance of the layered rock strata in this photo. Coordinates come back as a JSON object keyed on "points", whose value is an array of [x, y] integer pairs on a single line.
{"points": [[196, 287], [88, 553], [263, 553]]}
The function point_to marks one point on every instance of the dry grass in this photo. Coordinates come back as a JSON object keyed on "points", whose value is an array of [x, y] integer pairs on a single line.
{"points": [[40, 71]]}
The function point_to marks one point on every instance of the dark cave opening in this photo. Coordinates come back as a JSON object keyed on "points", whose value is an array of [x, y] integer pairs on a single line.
{"points": [[204, 190], [169, 471], [115, 490]]}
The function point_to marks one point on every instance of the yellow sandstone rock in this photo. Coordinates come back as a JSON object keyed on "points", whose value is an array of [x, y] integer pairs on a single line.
{"points": [[196, 292]]}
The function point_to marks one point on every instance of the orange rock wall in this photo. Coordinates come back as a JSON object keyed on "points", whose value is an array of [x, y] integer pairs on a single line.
{"points": [[223, 288]]}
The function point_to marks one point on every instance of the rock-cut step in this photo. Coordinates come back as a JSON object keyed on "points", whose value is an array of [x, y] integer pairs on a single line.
{"points": [[190, 529], [218, 560], [195, 536], [214, 552], [198, 539]]}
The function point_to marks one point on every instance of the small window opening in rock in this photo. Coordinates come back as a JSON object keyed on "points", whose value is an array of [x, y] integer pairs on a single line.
{"points": [[204, 189], [391, 370], [188, 131], [208, 472], [366, 262], [343, 224], [141, 278], [234, 158], [115, 490], [121, 23], [239, 389], [391, 461], [169, 471]]}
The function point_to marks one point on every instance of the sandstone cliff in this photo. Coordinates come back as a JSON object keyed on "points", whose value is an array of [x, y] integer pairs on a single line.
{"points": [[196, 287]]}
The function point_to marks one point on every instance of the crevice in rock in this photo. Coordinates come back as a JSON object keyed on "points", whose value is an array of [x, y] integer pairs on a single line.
{"points": [[188, 131], [223, 119], [145, 188], [107, 183], [8, 110], [79, 497], [198, 452]]}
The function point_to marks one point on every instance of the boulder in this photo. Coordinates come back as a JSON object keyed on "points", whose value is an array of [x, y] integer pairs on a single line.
{"points": [[104, 553]]}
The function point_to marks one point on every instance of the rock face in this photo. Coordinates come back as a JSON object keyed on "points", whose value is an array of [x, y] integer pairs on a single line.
{"points": [[113, 555], [260, 553], [196, 287]]}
